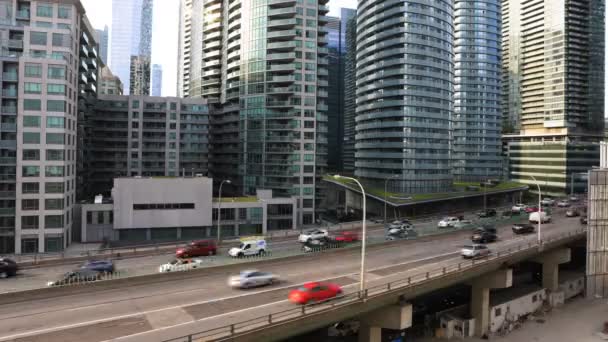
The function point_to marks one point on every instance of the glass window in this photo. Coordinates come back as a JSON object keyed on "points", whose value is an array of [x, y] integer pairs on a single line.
{"points": [[31, 104], [64, 26], [31, 121], [44, 24], [53, 187], [55, 89], [55, 106], [60, 39], [30, 171], [44, 10], [56, 72], [64, 12], [55, 155], [30, 204], [33, 70], [55, 138], [31, 154], [89, 217], [31, 138], [53, 171], [53, 244], [29, 222], [53, 204], [38, 38], [30, 188], [135, 104], [32, 88], [55, 122], [53, 221]]}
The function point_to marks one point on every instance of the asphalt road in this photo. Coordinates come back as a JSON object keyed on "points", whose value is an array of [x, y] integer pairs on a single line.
{"points": [[160, 310]]}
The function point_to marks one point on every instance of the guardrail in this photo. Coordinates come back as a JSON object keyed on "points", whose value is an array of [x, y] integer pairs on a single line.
{"points": [[231, 330]]}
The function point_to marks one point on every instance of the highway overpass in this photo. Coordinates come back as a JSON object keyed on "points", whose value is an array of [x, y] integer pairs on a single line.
{"points": [[176, 305]]}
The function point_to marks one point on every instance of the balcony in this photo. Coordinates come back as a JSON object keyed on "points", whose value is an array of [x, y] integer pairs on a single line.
{"points": [[84, 52], [93, 52], [23, 14], [282, 22], [280, 79], [282, 2], [282, 67], [282, 45], [9, 92], [283, 34], [282, 12], [280, 90], [9, 110], [281, 56], [15, 44], [277, 103], [7, 211], [8, 160], [92, 62], [10, 76]]}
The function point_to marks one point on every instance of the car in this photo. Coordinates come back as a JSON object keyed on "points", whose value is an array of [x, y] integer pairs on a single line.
{"points": [[377, 220], [346, 236], [402, 232], [547, 201], [180, 264], [249, 246], [197, 248], [314, 292], [8, 268], [252, 278], [314, 234], [563, 204], [484, 236], [462, 223], [82, 275], [541, 215], [315, 245], [106, 266], [522, 228], [343, 329], [573, 198], [572, 212], [487, 213], [448, 222], [474, 251], [583, 219], [518, 207], [531, 209]]}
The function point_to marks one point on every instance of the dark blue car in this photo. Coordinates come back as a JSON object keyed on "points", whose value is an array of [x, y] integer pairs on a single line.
{"points": [[99, 266]]}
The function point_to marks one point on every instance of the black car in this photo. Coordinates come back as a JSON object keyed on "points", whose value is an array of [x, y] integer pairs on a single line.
{"points": [[82, 275], [99, 265], [522, 228], [484, 236], [8, 268], [584, 219], [487, 213]]}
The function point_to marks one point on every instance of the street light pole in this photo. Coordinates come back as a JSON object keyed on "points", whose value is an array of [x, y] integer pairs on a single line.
{"points": [[219, 211], [385, 191], [363, 236], [572, 184], [540, 209]]}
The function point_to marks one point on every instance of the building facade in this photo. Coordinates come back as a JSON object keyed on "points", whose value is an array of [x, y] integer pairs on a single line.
{"points": [[103, 36], [183, 58], [350, 70], [404, 94], [109, 83], [49, 63], [265, 63], [139, 84], [476, 124], [157, 80], [144, 136], [554, 80], [130, 35]]}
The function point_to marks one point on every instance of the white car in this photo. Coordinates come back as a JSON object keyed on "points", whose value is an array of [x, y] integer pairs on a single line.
{"points": [[252, 278], [563, 204], [573, 198], [180, 265], [249, 247], [474, 251], [448, 222], [547, 201], [518, 207], [536, 216], [314, 234]]}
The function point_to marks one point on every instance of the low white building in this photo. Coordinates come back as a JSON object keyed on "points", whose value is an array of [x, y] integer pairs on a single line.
{"points": [[171, 208], [508, 305]]}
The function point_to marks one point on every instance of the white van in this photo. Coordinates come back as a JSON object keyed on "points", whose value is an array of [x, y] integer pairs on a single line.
{"points": [[536, 216], [249, 247]]}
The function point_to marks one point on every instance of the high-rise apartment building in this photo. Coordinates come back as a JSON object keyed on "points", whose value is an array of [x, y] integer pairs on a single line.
{"points": [[404, 94], [265, 63], [157, 80], [183, 58], [130, 35], [350, 71], [144, 136], [476, 124], [49, 63], [139, 84], [103, 36], [109, 84], [553, 89]]}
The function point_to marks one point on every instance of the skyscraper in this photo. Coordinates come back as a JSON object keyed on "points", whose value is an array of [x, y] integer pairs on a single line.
{"points": [[553, 93], [265, 64], [103, 43], [157, 79], [139, 84], [350, 70], [183, 58], [130, 35], [476, 152], [404, 94]]}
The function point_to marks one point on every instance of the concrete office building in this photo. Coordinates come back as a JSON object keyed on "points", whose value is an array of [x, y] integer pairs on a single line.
{"points": [[49, 62], [179, 209], [597, 236], [139, 84], [476, 124], [157, 80], [405, 63], [350, 70], [267, 68], [103, 36], [109, 83], [553, 90], [130, 35], [144, 136]]}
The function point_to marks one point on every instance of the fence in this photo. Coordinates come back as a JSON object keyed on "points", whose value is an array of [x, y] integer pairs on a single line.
{"points": [[230, 330]]}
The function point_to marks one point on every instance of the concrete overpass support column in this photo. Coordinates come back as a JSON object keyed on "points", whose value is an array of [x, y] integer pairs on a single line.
{"points": [[551, 261], [395, 317], [480, 297]]}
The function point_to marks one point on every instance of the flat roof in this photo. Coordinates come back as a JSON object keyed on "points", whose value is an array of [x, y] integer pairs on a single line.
{"points": [[501, 296]]}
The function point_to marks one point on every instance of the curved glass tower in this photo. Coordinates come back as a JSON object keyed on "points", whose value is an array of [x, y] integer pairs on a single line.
{"points": [[477, 90], [404, 94]]}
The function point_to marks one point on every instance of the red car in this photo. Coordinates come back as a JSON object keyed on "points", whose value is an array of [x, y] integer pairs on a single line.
{"points": [[314, 292], [346, 237], [197, 248], [531, 209]]}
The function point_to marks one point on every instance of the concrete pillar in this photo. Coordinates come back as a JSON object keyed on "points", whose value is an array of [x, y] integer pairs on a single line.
{"points": [[550, 261], [264, 217], [480, 297], [395, 317], [179, 233], [369, 333]]}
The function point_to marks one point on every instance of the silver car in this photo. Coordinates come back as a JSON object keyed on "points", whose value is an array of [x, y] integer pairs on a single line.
{"points": [[474, 251], [252, 278]]}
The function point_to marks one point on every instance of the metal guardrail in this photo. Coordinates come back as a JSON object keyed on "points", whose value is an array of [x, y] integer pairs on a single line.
{"points": [[230, 330]]}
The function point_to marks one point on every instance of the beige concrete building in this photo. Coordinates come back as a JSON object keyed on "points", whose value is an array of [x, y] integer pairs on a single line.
{"points": [[109, 83]]}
